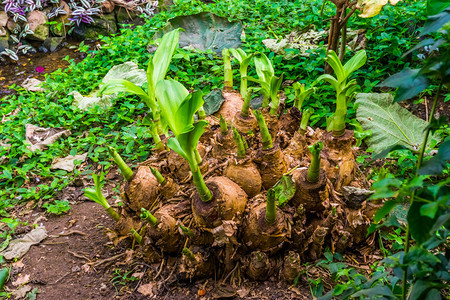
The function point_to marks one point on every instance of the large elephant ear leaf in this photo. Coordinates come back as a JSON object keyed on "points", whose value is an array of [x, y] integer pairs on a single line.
{"points": [[187, 109], [163, 55], [264, 68], [170, 95], [390, 123]]}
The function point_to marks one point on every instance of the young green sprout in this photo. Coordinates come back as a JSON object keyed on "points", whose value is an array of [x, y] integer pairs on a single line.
{"points": [[239, 144], [344, 90], [201, 113], [244, 60], [136, 236], [188, 253], [270, 84], [314, 167], [305, 119], [178, 107], [149, 217], [223, 126], [156, 71], [162, 181], [301, 94], [245, 110], [96, 195], [124, 169], [186, 231], [265, 134], [271, 212], [227, 71]]}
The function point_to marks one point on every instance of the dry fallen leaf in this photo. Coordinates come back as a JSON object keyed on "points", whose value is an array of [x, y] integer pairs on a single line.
{"points": [[21, 292], [146, 289], [18, 264], [22, 279]]}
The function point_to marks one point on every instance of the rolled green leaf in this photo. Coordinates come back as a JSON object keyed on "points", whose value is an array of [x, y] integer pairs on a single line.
{"points": [[301, 94], [186, 231], [227, 71], [265, 134], [239, 144], [223, 126], [314, 167], [245, 111], [151, 219], [123, 167], [305, 119], [162, 181], [244, 60]]}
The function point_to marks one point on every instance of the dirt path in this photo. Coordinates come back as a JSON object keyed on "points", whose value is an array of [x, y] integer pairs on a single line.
{"points": [[63, 266]]}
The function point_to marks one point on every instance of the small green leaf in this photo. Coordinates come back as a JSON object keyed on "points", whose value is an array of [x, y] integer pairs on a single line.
{"points": [[385, 210], [409, 83], [284, 190], [429, 210]]}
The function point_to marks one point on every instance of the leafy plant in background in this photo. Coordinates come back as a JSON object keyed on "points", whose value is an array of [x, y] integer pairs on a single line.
{"points": [[344, 90], [156, 71], [59, 207], [270, 84], [419, 271]]}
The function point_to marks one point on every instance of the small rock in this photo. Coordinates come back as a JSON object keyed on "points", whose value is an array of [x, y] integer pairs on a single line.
{"points": [[42, 49], [3, 19], [103, 25], [3, 31], [11, 25], [354, 196], [38, 24], [76, 269], [52, 43], [4, 41], [107, 6]]}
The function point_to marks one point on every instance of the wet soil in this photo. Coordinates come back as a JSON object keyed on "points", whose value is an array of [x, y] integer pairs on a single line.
{"points": [[17, 72]]}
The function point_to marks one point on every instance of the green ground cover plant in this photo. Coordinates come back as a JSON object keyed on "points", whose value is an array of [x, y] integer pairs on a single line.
{"points": [[27, 175]]}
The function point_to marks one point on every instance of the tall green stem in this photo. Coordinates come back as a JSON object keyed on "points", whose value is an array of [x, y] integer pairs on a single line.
{"points": [[198, 156], [151, 219], [154, 131], [124, 169], [265, 134], [265, 102], [340, 115], [275, 102], [203, 191], [246, 106], [314, 167], [228, 72], [113, 213], [243, 90], [419, 164], [271, 213], [239, 144]]}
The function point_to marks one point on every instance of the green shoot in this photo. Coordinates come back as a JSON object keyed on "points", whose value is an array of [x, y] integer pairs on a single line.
{"points": [[227, 71], [186, 231], [265, 134], [344, 90], [156, 71], [314, 167], [223, 126], [305, 119], [124, 169], [270, 84], [96, 195], [201, 113], [198, 156], [301, 94], [188, 253], [162, 181], [239, 144], [151, 219], [271, 211], [178, 108], [244, 141], [245, 110], [136, 236], [244, 60]]}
